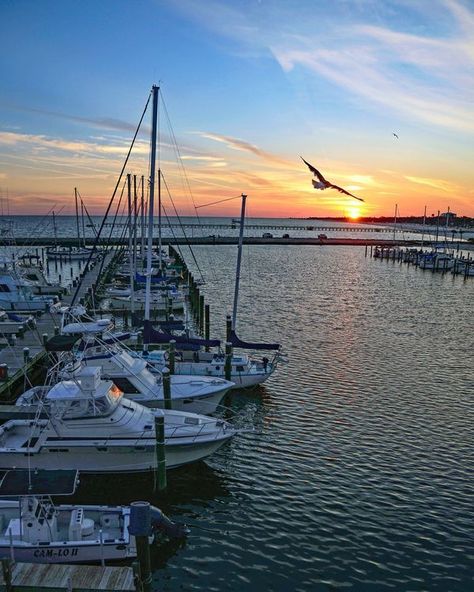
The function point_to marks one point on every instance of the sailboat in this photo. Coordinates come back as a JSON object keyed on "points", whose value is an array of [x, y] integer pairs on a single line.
{"points": [[79, 252], [246, 371]]}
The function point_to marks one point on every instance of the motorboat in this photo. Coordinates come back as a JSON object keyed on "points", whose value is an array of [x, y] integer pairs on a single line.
{"points": [[100, 347], [70, 253], [194, 393], [16, 293], [91, 427], [158, 302], [12, 323], [35, 530], [35, 275], [436, 261]]}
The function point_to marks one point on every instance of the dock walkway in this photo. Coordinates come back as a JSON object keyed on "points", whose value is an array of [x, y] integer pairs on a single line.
{"points": [[26, 351], [29, 577]]}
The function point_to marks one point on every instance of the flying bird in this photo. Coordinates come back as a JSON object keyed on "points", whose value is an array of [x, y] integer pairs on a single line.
{"points": [[395, 135], [322, 183]]}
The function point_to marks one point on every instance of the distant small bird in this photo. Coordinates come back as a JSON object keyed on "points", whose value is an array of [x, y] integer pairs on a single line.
{"points": [[323, 183], [395, 135]]}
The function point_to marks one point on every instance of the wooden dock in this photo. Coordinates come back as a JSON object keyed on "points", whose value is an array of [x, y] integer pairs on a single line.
{"points": [[32, 577], [25, 353]]}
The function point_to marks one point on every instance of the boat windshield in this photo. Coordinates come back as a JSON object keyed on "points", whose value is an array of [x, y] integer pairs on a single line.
{"points": [[97, 406]]}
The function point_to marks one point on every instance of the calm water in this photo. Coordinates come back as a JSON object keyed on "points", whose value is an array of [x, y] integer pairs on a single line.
{"points": [[359, 472]]}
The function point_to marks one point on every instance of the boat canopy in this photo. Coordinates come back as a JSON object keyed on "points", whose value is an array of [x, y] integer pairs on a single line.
{"points": [[114, 338], [87, 327], [155, 279], [21, 482], [60, 343], [151, 335], [172, 325], [236, 342]]}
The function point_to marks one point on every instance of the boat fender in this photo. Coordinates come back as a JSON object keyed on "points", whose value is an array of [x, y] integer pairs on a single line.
{"points": [[160, 521]]}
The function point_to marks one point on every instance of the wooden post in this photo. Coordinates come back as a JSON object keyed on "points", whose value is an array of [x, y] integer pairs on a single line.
{"points": [[7, 574], [140, 528], [201, 314], [137, 579], [160, 471], [228, 361], [207, 324], [4, 372], [228, 323], [167, 388], [26, 355], [196, 304], [172, 352]]}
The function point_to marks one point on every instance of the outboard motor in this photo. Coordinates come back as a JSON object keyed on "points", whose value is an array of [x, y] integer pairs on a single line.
{"points": [[160, 521], [144, 519]]}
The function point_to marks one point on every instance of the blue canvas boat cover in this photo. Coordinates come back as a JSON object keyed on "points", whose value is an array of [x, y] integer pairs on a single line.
{"points": [[236, 342], [151, 335]]}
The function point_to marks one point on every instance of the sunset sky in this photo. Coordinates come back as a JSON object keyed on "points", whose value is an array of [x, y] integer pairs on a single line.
{"points": [[248, 85]]}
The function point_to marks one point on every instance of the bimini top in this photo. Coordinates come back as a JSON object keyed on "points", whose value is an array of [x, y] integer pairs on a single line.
{"points": [[21, 482], [87, 327]]}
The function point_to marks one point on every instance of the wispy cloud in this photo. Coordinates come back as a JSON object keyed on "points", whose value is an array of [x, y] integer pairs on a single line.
{"points": [[436, 183], [242, 146], [45, 142], [108, 123], [423, 74]]}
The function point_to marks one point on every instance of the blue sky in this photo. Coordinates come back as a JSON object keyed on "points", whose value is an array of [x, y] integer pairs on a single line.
{"points": [[249, 86]]}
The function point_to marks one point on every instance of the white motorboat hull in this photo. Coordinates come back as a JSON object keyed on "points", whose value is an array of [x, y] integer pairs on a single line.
{"points": [[124, 303], [80, 552], [205, 404], [97, 457], [103, 541], [26, 305]]}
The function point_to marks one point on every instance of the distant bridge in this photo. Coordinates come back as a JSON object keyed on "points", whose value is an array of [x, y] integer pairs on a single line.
{"points": [[230, 226]]}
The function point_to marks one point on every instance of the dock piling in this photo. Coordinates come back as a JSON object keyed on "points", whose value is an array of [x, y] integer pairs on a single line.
{"points": [[172, 353], [140, 528], [167, 387], [160, 471], [228, 360]]}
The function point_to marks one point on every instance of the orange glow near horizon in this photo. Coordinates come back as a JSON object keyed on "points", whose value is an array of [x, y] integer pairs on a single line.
{"points": [[277, 187]]}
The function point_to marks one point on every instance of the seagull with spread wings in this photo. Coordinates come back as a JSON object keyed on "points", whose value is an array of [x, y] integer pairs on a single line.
{"points": [[322, 183]]}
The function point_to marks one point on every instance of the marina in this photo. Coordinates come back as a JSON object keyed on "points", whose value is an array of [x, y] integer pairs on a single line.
{"points": [[121, 375]]}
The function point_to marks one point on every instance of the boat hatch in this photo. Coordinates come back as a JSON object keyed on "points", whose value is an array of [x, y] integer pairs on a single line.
{"points": [[20, 482]]}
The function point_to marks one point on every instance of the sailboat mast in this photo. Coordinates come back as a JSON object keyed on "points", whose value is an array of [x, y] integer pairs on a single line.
{"points": [[55, 232], [151, 202], [160, 265], [395, 221], [130, 244], [142, 222], [423, 232], [77, 219], [83, 225], [135, 218], [239, 261]]}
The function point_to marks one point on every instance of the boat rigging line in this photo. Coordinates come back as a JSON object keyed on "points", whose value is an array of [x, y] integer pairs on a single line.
{"points": [[94, 247]]}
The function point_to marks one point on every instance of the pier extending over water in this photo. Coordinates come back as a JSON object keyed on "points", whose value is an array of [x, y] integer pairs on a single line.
{"points": [[233, 240]]}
